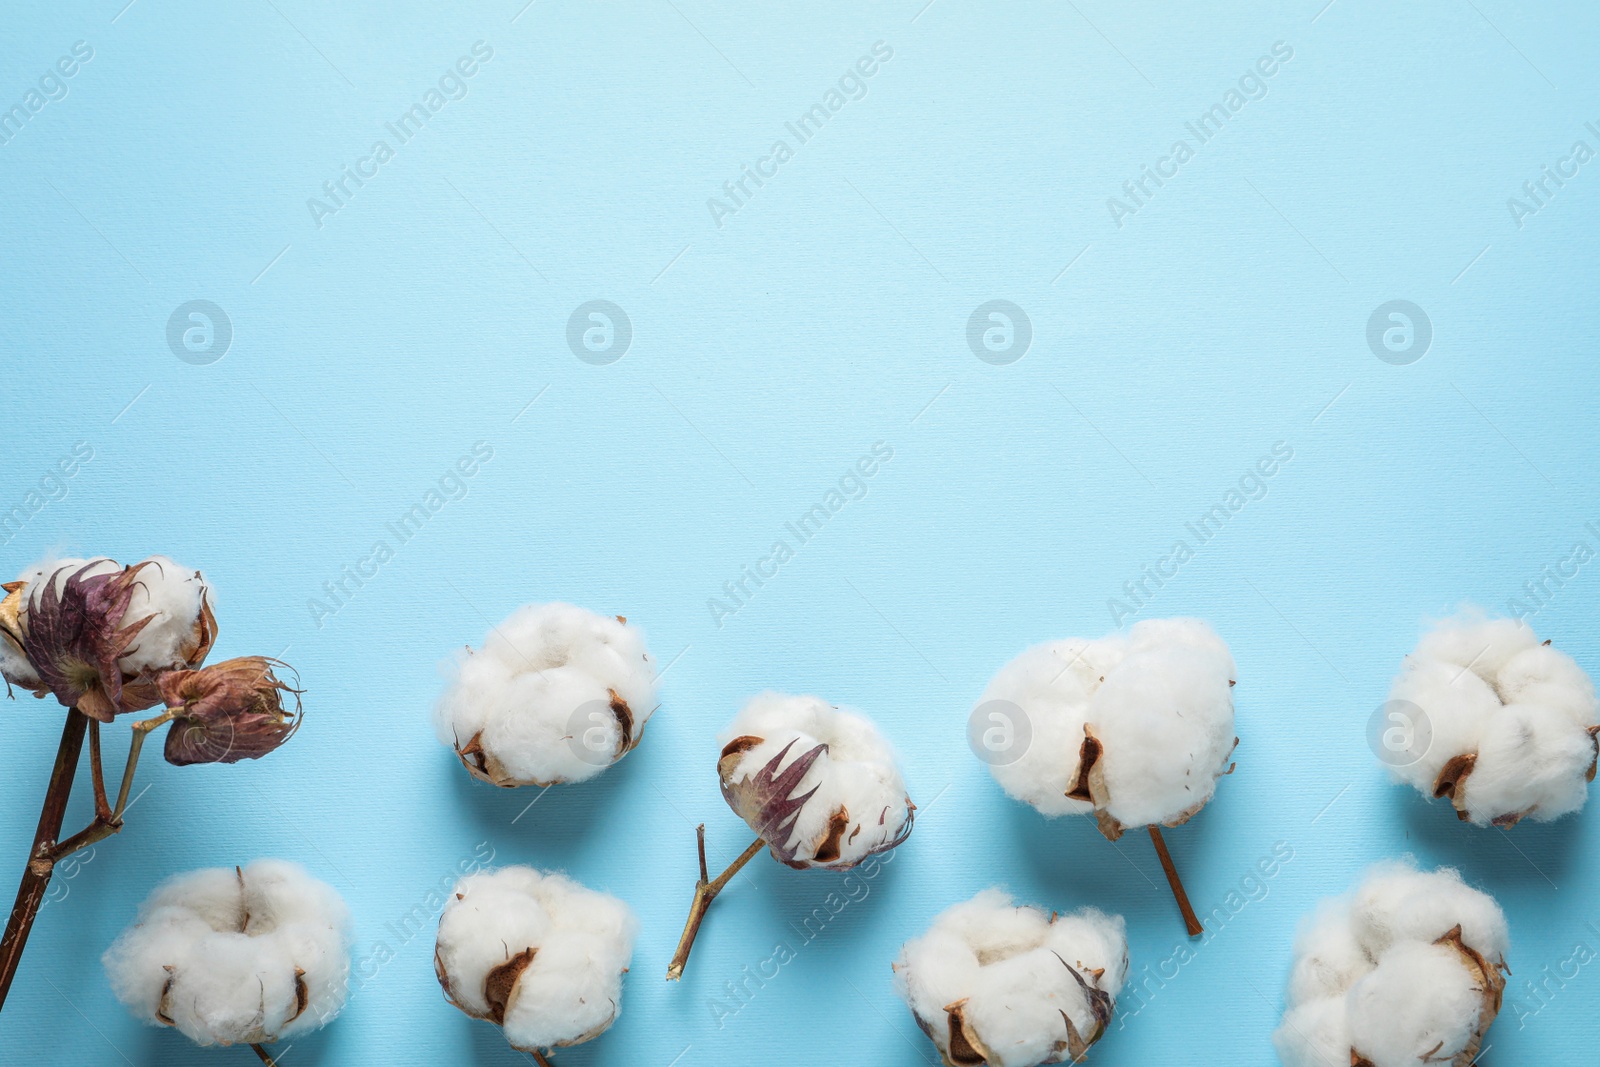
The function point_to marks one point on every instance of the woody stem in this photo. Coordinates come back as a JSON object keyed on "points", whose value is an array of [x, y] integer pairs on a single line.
{"points": [[265, 1057], [1190, 920], [704, 893], [36, 875], [111, 822], [540, 1058]]}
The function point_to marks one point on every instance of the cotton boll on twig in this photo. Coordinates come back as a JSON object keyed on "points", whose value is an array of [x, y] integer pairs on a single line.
{"points": [[125, 624], [535, 953], [1136, 728], [557, 694], [1511, 722], [1405, 969], [993, 983], [817, 783], [236, 956]]}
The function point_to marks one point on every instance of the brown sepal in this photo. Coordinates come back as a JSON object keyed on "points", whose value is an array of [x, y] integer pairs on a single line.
{"points": [[1452, 775], [500, 984], [624, 715], [1100, 1006], [161, 1005], [965, 1048], [1491, 983], [828, 850], [302, 995], [1090, 784]]}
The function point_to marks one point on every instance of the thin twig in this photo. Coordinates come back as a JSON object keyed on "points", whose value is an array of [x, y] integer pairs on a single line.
{"points": [[1190, 920], [36, 876], [265, 1058], [102, 806], [106, 825], [704, 893], [538, 1057]]}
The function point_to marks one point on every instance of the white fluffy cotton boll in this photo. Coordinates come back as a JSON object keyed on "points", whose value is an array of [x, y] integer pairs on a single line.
{"points": [[177, 600], [1315, 1034], [248, 955], [1418, 1005], [535, 953], [1396, 903], [556, 694], [1136, 727], [1329, 957], [991, 982], [1406, 968], [819, 783], [1512, 722]]}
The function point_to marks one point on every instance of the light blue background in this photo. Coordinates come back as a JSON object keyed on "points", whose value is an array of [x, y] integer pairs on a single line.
{"points": [[828, 313]]}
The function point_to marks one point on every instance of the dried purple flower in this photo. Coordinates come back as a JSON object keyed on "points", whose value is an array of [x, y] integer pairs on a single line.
{"points": [[74, 637], [228, 711], [77, 642]]}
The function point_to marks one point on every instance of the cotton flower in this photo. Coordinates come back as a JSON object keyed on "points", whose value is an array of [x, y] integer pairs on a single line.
{"points": [[1406, 969], [556, 694], [236, 955], [535, 953], [819, 784], [95, 634], [993, 983], [1135, 727], [228, 711], [104, 640], [1512, 721]]}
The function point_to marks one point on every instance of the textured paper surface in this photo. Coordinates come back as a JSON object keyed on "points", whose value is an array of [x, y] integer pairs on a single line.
{"points": [[766, 356]]}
